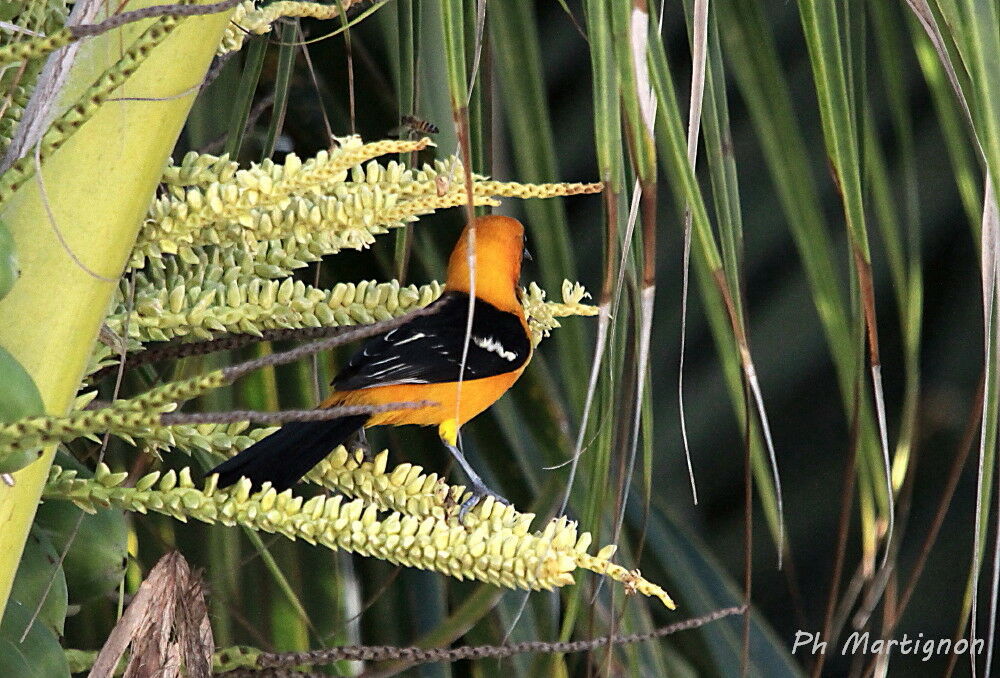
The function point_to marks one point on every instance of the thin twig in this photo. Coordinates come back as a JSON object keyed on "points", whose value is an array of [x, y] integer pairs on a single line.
{"points": [[843, 528], [480, 28], [349, 55], [417, 655], [181, 349], [14, 28], [172, 97], [217, 144], [55, 226], [236, 371], [177, 10], [315, 82], [954, 475], [284, 416], [747, 528], [215, 69]]}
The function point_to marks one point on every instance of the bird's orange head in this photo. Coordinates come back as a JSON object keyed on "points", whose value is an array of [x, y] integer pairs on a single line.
{"points": [[498, 248]]}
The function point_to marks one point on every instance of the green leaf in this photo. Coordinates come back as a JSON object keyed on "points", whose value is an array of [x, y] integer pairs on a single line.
{"points": [[8, 10], [39, 656], [40, 578], [19, 398], [95, 562], [253, 65], [699, 585], [9, 270]]}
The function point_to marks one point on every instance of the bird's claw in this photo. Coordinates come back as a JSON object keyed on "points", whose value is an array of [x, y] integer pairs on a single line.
{"points": [[479, 492], [359, 441]]}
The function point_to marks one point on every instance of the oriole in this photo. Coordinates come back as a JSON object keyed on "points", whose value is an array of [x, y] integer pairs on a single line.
{"points": [[420, 360]]}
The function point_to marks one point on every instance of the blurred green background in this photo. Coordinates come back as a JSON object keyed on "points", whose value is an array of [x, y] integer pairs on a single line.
{"points": [[696, 551]]}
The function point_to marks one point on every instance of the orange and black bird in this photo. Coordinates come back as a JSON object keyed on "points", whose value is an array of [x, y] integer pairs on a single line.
{"points": [[431, 357]]}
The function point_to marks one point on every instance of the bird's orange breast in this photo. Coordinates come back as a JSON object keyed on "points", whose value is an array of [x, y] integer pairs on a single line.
{"points": [[475, 396]]}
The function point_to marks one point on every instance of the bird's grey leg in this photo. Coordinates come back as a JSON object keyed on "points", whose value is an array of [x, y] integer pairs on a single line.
{"points": [[476, 485], [359, 441]]}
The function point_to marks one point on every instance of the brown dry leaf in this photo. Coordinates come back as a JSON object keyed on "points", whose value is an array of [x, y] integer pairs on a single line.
{"points": [[166, 626], [194, 632]]}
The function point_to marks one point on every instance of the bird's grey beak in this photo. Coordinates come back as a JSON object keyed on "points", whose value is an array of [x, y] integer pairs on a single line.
{"points": [[527, 255]]}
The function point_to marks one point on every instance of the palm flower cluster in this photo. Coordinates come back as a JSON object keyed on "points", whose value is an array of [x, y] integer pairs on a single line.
{"points": [[216, 256], [494, 544]]}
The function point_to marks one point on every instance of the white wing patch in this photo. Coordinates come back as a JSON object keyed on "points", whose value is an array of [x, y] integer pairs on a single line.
{"points": [[418, 335], [493, 346], [387, 372]]}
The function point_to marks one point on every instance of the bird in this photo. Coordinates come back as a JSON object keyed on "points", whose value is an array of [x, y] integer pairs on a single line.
{"points": [[432, 357]]}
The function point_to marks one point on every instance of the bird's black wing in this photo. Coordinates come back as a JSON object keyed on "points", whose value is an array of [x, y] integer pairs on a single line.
{"points": [[428, 349]]}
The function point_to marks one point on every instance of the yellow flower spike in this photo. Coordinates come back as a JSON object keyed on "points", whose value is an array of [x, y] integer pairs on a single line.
{"points": [[392, 524], [149, 480], [249, 198], [331, 509], [339, 457], [184, 478], [409, 526], [268, 498], [191, 500], [226, 514], [633, 581], [312, 508], [135, 417], [289, 502], [543, 315], [426, 527], [523, 524], [416, 485], [243, 489], [431, 484], [319, 205], [399, 474], [485, 553], [380, 462], [564, 539], [348, 485], [398, 514], [168, 482], [229, 304]]}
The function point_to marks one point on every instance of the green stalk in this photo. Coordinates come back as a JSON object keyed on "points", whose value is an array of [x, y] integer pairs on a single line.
{"points": [[406, 91], [453, 22], [252, 67], [518, 54], [834, 37], [97, 187], [282, 85]]}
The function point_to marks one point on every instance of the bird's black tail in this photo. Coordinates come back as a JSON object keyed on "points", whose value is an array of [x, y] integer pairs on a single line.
{"points": [[287, 454]]}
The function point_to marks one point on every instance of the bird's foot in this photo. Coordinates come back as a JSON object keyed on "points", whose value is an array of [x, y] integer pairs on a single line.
{"points": [[359, 441], [479, 492]]}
